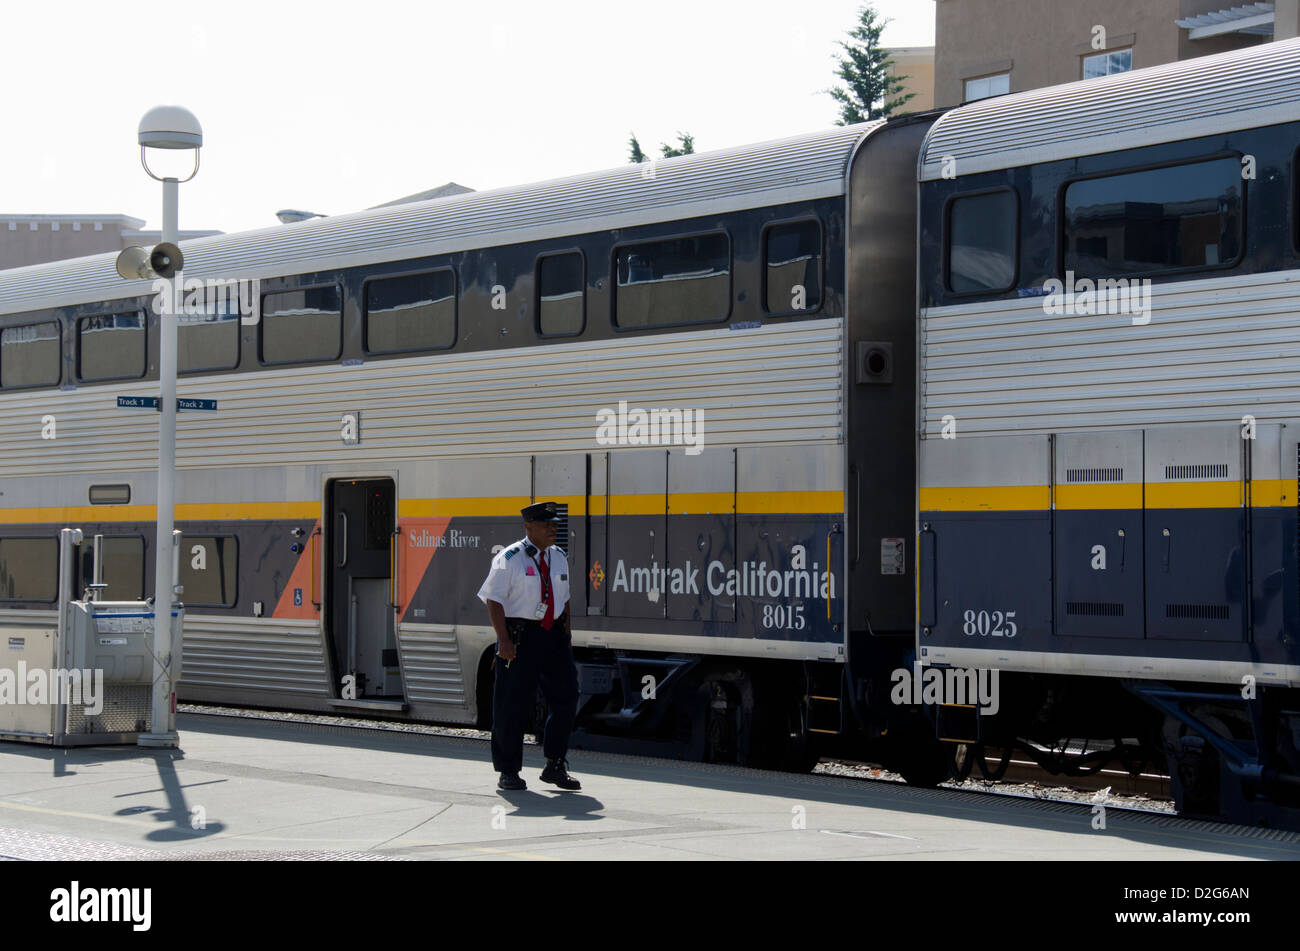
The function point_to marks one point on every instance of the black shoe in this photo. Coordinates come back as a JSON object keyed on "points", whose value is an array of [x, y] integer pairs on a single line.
{"points": [[555, 773], [511, 781]]}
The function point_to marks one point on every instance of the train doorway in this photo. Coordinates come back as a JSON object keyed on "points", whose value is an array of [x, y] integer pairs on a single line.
{"points": [[359, 571]]}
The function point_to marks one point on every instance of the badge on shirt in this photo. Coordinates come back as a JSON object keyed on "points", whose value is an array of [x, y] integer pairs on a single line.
{"points": [[539, 612]]}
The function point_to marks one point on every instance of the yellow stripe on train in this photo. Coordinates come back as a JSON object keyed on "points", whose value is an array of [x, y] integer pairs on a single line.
{"points": [[679, 503], [1264, 493]]}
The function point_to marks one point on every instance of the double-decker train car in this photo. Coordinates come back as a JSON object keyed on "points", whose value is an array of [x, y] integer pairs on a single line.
{"points": [[719, 367], [679, 354], [1109, 412]]}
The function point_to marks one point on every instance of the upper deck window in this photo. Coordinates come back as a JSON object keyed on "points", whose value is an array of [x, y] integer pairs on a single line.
{"points": [[30, 355], [411, 312], [560, 297], [1159, 219], [982, 233], [793, 277], [302, 326], [209, 340], [675, 281], [111, 347]]}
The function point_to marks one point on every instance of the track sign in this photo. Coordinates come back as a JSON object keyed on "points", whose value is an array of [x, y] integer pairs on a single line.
{"points": [[151, 402]]}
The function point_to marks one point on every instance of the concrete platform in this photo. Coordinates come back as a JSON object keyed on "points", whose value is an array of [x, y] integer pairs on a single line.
{"points": [[250, 789]]}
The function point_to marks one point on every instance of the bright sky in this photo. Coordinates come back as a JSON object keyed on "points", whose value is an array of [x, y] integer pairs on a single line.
{"points": [[335, 106]]}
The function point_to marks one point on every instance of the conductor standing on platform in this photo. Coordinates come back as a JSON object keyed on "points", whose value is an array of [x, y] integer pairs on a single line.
{"points": [[527, 594]]}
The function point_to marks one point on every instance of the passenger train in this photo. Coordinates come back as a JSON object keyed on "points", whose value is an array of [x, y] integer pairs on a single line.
{"points": [[1010, 387]]}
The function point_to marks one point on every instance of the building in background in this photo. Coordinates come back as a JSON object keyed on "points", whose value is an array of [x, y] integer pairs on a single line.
{"points": [[38, 239], [990, 47], [915, 65]]}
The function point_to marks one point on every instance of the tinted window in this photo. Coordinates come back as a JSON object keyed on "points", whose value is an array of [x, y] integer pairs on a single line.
{"points": [[414, 312], [794, 267], [678, 281], [123, 567], [1184, 216], [982, 243], [111, 346], [110, 494], [29, 569], [29, 356], [301, 326], [560, 282], [209, 567], [210, 340]]}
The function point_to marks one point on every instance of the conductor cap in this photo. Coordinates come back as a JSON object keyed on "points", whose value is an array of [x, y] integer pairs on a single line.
{"points": [[540, 512]]}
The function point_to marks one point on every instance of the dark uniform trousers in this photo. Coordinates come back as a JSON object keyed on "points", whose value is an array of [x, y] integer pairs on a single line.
{"points": [[540, 655]]}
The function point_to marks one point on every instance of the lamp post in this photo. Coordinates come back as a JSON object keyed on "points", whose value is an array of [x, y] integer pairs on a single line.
{"points": [[166, 127]]}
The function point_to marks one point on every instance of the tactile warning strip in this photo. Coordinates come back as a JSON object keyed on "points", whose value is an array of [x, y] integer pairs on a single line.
{"points": [[23, 845]]}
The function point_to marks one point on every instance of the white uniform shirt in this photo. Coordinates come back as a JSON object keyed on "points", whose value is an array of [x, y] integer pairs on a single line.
{"points": [[515, 580]]}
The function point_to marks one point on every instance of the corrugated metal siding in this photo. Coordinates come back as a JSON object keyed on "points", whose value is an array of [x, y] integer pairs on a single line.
{"points": [[279, 655], [776, 384], [802, 167], [1213, 351], [1245, 88], [431, 663]]}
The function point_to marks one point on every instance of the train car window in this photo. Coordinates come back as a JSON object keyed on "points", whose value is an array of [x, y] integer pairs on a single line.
{"points": [[209, 340], [677, 281], [561, 282], [111, 346], [793, 277], [1159, 219], [302, 326], [123, 567], [29, 569], [30, 355], [983, 231], [110, 494], [209, 570], [411, 312]]}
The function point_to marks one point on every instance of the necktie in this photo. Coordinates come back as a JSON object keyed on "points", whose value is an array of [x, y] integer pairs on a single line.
{"points": [[549, 619]]}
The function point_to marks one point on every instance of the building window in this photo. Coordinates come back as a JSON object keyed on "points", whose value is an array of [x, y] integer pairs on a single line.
{"points": [[30, 355], [209, 570], [123, 567], [411, 312], [561, 283], [302, 326], [1103, 64], [676, 281], [793, 275], [985, 86], [111, 347], [29, 569], [982, 240], [210, 340], [1180, 216]]}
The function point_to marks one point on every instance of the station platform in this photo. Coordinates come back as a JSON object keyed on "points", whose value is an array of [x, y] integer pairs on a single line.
{"points": [[247, 789]]}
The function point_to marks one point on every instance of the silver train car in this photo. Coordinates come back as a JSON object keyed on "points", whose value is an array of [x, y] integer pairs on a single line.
{"points": [[676, 353]]}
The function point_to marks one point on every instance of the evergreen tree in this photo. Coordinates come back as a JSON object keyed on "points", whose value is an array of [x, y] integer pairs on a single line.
{"points": [[685, 146], [864, 67], [635, 155]]}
